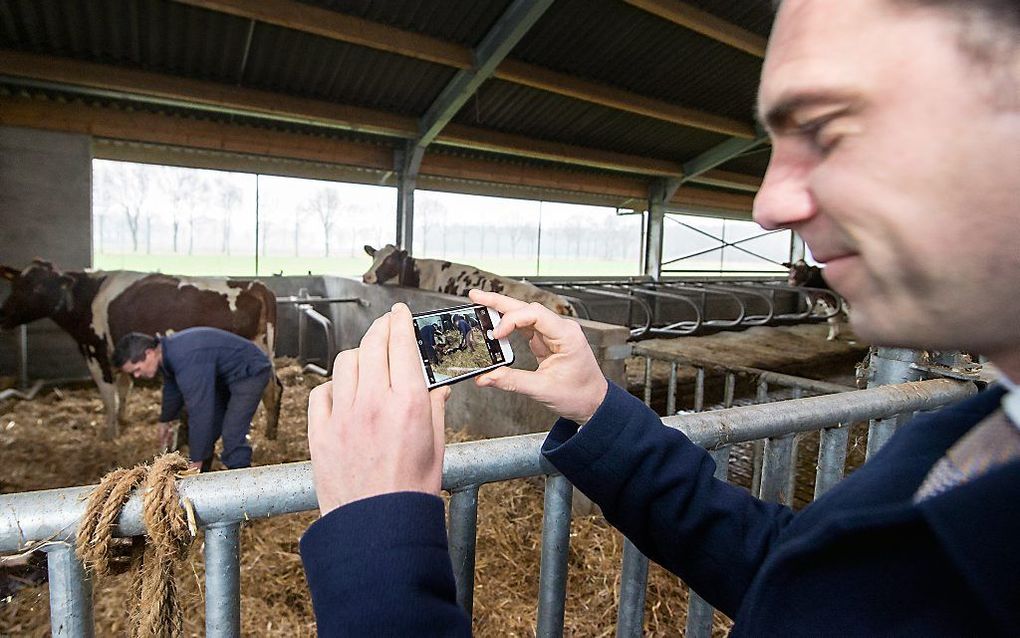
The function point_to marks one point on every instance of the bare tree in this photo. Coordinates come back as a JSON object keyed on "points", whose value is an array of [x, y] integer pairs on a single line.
{"points": [[230, 198], [125, 187], [185, 188], [325, 206]]}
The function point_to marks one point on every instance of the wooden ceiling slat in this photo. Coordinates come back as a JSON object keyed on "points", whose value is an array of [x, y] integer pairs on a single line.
{"points": [[704, 23], [345, 28]]}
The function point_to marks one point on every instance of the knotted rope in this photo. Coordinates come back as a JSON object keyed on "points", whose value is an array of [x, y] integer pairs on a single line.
{"points": [[157, 611]]}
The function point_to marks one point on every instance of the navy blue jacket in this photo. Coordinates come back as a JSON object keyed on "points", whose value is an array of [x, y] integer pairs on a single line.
{"points": [[196, 361], [862, 560]]}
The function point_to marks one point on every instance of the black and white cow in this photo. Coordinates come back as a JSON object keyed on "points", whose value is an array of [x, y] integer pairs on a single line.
{"points": [[826, 304], [98, 308], [392, 265]]}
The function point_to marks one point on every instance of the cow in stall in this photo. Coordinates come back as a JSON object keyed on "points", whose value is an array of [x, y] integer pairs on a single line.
{"points": [[98, 308], [394, 266], [803, 275]]}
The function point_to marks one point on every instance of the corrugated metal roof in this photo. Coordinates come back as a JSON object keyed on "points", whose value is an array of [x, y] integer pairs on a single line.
{"points": [[462, 21], [613, 43], [518, 109]]}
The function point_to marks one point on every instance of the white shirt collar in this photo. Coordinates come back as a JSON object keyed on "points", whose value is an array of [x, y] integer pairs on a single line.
{"points": [[1011, 400]]}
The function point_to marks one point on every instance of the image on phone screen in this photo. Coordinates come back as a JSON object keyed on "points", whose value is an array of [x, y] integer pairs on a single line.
{"points": [[456, 343]]}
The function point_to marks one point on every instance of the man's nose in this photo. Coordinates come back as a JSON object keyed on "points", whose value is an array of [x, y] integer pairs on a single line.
{"points": [[784, 199]]}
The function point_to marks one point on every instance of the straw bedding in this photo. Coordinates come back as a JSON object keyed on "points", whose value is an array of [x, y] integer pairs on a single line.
{"points": [[54, 441]]}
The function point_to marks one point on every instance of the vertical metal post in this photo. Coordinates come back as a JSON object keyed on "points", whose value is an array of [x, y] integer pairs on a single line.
{"points": [[775, 470], [70, 593], [407, 162], [699, 390], [728, 389], [699, 612], [655, 229], [633, 586], [223, 580], [831, 458], [462, 537], [648, 381], [886, 366], [758, 447], [23, 356], [552, 580], [671, 391], [797, 251]]}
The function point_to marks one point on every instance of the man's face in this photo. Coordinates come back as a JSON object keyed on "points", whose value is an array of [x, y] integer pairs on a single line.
{"points": [[144, 369], [897, 158]]}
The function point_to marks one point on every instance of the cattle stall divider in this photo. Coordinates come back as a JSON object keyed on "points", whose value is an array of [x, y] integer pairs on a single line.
{"points": [[708, 304], [222, 500], [24, 391], [303, 303]]}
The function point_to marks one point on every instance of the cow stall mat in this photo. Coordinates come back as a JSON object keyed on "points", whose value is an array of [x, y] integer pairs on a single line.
{"points": [[55, 441]]}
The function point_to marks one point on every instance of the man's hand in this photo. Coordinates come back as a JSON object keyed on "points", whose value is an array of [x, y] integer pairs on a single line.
{"points": [[568, 380], [375, 429], [164, 431]]}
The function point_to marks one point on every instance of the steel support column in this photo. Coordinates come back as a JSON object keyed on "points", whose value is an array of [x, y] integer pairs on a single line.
{"points": [[889, 366], [659, 193], [407, 162]]}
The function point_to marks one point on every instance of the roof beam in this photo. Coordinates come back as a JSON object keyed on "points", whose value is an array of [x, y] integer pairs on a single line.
{"points": [[720, 154], [497, 43], [142, 86], [345, 28], [169, 130], [704, 23], [728, 179]]}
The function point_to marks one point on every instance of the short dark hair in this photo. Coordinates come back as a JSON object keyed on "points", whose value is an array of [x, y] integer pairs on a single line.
{"points": [[131, 348], [988, 27]]}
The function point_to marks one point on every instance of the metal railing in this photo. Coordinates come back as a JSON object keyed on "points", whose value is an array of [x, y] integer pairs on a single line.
{"points": [[303, 303], [222, 500]]}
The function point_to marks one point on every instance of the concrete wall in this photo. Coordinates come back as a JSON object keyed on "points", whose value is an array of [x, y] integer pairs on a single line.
{"points": [[481, 411], [45, 211]]}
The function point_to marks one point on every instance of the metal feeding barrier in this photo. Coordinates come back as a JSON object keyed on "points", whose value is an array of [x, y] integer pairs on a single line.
{"points": [[304, 304], [687, 307], [221, 500]]}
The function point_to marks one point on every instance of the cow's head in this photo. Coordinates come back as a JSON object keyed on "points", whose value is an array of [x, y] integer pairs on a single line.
{"points": [[36, 292], [388, 262], [799, 272]]}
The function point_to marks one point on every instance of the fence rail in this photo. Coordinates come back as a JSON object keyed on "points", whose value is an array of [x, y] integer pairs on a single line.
{"points": [[222, 499]]}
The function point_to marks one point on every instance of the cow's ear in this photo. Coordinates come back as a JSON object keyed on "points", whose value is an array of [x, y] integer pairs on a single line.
{"points": [[370, 250], [39, 261], [787, 264], [8, 273]]}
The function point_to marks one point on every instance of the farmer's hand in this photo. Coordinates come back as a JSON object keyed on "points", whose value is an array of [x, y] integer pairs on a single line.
{"points": [[375, 428], [568, 380], [164, 433]]}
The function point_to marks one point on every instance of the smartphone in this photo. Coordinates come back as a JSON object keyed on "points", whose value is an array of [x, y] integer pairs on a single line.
{"points": [[456, 343]]}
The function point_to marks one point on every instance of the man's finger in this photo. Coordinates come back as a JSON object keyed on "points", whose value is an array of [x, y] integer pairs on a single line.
{"points": [[344, 385], [320, 406], [373, 357], [524, 382], [438, 399], [533, 316], [502, 303], [405, 359]]}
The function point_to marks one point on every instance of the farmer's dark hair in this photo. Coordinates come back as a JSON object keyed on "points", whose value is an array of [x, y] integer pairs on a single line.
{"points": [[131, 348]]}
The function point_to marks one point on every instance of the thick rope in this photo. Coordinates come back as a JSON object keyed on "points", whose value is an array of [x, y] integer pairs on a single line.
{"points": [[157, 612]]}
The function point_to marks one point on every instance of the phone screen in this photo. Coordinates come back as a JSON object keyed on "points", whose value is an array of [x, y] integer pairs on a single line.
{"points": [[455, 343]]}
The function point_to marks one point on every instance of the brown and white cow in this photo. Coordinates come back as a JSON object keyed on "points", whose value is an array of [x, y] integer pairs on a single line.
{"points": [[392, 265], [826, 304], [98, 308]]}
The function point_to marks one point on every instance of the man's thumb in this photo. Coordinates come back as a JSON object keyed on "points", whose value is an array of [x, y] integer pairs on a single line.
{"points": [[512, 380]]}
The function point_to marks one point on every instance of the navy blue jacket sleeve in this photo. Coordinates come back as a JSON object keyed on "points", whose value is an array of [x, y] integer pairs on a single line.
{"points": [[381, 567], [173, 400], [657, 487]]}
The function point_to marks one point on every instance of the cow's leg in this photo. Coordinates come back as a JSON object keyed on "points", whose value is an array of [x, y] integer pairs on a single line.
{"points": [[108, 393], [124, 385], [834, 327], [272, 400]]}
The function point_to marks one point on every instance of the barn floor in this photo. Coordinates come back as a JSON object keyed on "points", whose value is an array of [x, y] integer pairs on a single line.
{"points": [[54, 441]]}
